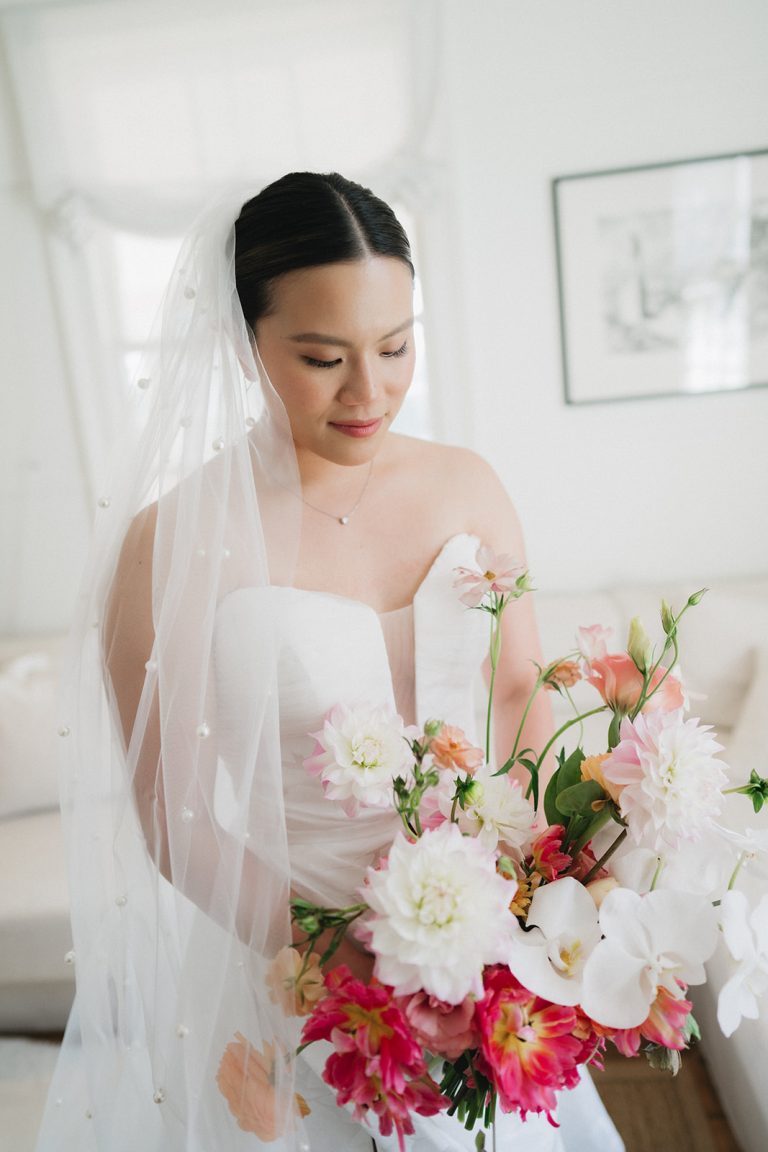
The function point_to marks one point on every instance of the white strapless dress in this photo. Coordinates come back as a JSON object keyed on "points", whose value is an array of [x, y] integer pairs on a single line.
{"points": [[425, 660]]}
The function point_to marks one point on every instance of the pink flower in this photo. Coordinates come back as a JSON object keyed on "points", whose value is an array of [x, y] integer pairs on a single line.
{"points": [[591, 642], [451, 750], [619, 682], [377, 1064], [444, 1029], [664, 1025], [497, 573], [529, 1050], [548, 860]]}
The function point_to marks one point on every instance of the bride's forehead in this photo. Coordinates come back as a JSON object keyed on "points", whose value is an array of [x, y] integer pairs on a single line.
{"points": [[377, 287]]}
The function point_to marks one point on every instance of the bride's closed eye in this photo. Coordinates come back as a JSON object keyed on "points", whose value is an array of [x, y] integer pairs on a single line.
{"points": [[313, 362], [401, 351]]}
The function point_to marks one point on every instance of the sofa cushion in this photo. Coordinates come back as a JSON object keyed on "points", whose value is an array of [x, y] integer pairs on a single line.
{"points": [[36, 983], [28, 741]]}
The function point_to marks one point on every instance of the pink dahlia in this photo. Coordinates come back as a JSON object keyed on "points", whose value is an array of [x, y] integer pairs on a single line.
{"points": [[528, 1047], [377, 1064]]}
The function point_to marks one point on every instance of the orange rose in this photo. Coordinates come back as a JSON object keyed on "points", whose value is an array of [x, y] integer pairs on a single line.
{"points": [[246, 1080], [563, 675], [294, 990]]}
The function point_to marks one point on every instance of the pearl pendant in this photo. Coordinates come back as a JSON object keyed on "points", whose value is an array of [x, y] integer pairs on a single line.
{"points": [[343, 519]]}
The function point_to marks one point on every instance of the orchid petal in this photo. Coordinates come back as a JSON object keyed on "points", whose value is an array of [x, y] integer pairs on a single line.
{"points": [[615, 989]]}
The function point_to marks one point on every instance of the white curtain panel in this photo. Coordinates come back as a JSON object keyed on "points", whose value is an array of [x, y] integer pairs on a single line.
{"points": [[143, 108]]}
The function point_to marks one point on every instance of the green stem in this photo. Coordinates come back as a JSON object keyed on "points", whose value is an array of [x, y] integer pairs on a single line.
{"points": [[737, 869], [495, 650], [657, 873], [605, 857], [563, 728]]}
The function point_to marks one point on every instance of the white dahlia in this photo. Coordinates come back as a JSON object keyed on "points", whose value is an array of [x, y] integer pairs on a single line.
{"points": [[497, 811], [671, 782], [440, 912], [358, 754]]}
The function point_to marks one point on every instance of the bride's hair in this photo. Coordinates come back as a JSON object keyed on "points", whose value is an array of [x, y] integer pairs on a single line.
{"points": [[303, 220]]}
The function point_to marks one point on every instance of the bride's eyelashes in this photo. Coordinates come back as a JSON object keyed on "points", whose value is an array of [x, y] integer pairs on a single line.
{"points": [[313, 362]]}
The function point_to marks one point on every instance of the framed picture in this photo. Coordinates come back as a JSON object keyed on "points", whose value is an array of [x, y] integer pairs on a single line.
{"points": [[663, 278]]}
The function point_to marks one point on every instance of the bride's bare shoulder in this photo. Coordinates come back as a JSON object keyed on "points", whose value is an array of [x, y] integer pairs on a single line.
{"points": [[459, 483]]}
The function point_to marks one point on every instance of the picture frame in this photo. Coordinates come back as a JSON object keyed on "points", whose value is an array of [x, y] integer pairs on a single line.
{"points": [[662, 276]]}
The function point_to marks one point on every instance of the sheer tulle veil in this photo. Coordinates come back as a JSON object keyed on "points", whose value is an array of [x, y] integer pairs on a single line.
{"points": [[177, 848]]}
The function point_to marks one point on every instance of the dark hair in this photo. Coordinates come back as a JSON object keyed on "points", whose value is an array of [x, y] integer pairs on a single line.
{"points": [[303, 220]]}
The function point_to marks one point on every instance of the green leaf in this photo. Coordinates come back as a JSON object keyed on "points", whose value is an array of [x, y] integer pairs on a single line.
{"points": [[577, 800]]}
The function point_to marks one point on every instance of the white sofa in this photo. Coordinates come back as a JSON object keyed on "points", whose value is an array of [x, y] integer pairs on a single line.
{"points": [[725, 665]]}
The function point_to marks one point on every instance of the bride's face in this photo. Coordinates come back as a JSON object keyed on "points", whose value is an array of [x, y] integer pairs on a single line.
{"points": [[338, 348]]}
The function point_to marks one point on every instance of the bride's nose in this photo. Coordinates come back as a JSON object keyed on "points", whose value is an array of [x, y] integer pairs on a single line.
{"points": [[361, 384]]}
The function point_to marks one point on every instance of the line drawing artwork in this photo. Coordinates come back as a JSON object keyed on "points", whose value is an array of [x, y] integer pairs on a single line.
{"points": [[663, 276]]}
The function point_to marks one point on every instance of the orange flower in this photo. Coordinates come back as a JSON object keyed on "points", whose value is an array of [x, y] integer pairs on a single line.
{"points": [[592, 769], [246, 1080], [294, 990], [562, 675], [451, 750]]}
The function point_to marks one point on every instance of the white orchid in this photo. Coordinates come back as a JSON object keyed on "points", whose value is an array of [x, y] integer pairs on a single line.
{"points": [[440, 912], [702, 867], [671, 782], [745, 933], [358, 754], [649, 941], [549, 959], [498, 811]]}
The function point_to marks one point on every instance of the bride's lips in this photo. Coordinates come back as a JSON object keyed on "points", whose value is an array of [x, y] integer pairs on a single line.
{"points": [[358, 428]]}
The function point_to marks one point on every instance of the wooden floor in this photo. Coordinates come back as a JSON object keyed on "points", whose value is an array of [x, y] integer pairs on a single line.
{"points": [[656, 1112]]}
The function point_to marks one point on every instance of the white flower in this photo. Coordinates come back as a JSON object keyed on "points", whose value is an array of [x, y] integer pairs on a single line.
{"points": [[745, 933], [702, 867], [358, 754], [440, 913], [649, 942], [499, 812], [671, 782], [549, 959]]}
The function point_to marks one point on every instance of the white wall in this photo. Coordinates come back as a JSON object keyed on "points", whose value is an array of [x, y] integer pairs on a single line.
{"points": [[661, 489], [652, 488], [44, 522]]}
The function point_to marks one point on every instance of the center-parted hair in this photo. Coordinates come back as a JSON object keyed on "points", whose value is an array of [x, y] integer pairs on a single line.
{"points": [[304, 220]]}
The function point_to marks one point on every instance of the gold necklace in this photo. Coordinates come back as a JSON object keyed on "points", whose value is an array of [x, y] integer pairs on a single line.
{"points": [[345, 518]]}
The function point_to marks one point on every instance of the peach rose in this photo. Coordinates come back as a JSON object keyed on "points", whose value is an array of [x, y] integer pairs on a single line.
{"points": [[592, 769], [246, 1080], [619, 682], [451, 750], [599, 889], [294, 990]]}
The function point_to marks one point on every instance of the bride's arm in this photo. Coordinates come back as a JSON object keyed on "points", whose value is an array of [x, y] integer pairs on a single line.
{"points": [[197, 864], [489, 513]]}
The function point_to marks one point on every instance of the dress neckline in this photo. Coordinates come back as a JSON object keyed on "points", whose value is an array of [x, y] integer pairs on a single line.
{"points": [[391, 611]]}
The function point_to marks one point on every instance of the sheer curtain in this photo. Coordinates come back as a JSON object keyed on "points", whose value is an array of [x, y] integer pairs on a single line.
{"points": [[133, 115]]}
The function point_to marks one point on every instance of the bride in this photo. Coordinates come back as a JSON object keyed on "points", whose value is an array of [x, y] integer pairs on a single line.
{"points": [[269, 548]]}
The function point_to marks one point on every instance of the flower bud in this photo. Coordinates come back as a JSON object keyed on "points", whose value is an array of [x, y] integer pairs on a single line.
{"points": [[697, 597], [664, 1059], [639, 645], [432, 728], [667, 619]]}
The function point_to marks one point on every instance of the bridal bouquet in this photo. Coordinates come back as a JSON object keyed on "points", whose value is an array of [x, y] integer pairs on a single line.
{"points": [[517, 931]]}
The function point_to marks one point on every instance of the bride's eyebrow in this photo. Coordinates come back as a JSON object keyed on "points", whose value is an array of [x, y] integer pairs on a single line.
{"points": [[336, 341]]}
